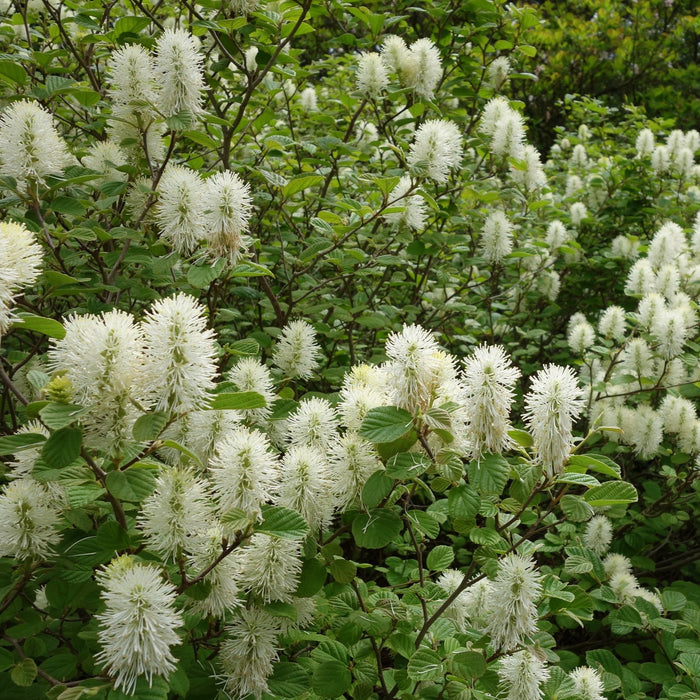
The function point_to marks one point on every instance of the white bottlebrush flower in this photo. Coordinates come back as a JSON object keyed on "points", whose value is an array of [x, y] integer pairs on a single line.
{"points": [[489, 377], [250, 59], [20, 265], [248, 653], [436, 149], [555, 400], [579, 157], [574, 185], [314, 423], [228, 206], [612, 323], [372, 77], [624, 247], [137, 134], [250, 374], [494, 110], [305, 484], [428, 68], [132, 82], [449, 580], [178, 508], [670, 330], [521, 675], [297, 352], [667, 245], [30, 146], [643, 429], [588, 685], [549, 283], [413, 214], [269, 567], [496, 237], [180, 352], [244, 472], [307, 99], [363, 389], [625, 586], [24, 460], [414, 359], [683, 162], [675, 141], [668, 281], [578, 213], [651, 307], [598, 534], [105, 157], [395, 53], [581, 337], [556, 235], [508, 140], [242, 7], [616, 564], [498, 71], [223, 589], [644, 143], [477, 603], [202, 432], [351, 461], [660, 160], [28, 519], [139, 624], [678, 414], [532, 176], [178, 71], [181, 208], [514, 597]]}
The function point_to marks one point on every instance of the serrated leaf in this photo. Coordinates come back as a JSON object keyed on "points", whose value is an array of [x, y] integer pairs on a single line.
{"points": [[577, 478], [133, 485], [463, 502], [489, 475], [376, 488], [282, 522], [12, 444], [407, 465], [23, 673], [470, 664], [311, 579], [301, 183], [386, 424], [288, 680], [598, 463], [237, 401], [342, 570], [611, 493], [331, 678], [235, 519], [377, 528], [577, 565], [39, 324], [440, 558], [575, 508], [62, 448], [149, 426], [12, 71], [59, 415], [425, 665], [521, 437]]}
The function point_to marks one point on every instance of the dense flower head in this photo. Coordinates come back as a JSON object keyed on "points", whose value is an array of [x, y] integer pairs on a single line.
{"points": [[105, 157], [615, 564], [395, 54], [660, 160], [598, 534], [508, 140], [202, 431], [351, 461], [651, 307], [612, 323], [670, 329], [678, 413], [30, 146], [297, 352], [514, 597], [372, 77], [131, 70], [20, 265], [578, 213], [643, 430], [489, 377], [314, 423], [581, 336], [244, 472], [497, 72], [139, 624], [179, 367], [588, 684], [496, 237], [667, 245], [307, 99], [248, 653], [228, 206], [413, 214], [428, 69], [178, 508], [436, 149], [494, 110], [556, 234], [250, 374], [363, 389], [178, 70], [555, 400], [28, 520], [521, 675], [531, 177], [181, 208], [645, 143]]}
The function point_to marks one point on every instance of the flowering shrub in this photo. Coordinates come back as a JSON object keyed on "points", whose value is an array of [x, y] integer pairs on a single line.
{"points": [[319, 381]]}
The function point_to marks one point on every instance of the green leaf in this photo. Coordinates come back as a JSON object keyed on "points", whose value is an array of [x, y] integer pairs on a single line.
{"points": [[331, 679], [201, 276], [342, 570], [610, 494], [598, 463], [407, 465], [236, 519], [575, 508], [386, 424], [39, 324], [237, 401], [129, 25], [376, 489], [469, 664], [521, 437], [62, 448], [312, 578], [489, 475], [282, 522], [578, 565], [673, 600], [463, 502], [12, 444], [288, 680], [425, 665], [440, 558], [149, 426], [59, 415], [154, 689], [133, 485], [301, 183], [172, 445], [12, 71], [61, 665], [23, 673], [377, 528]]}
